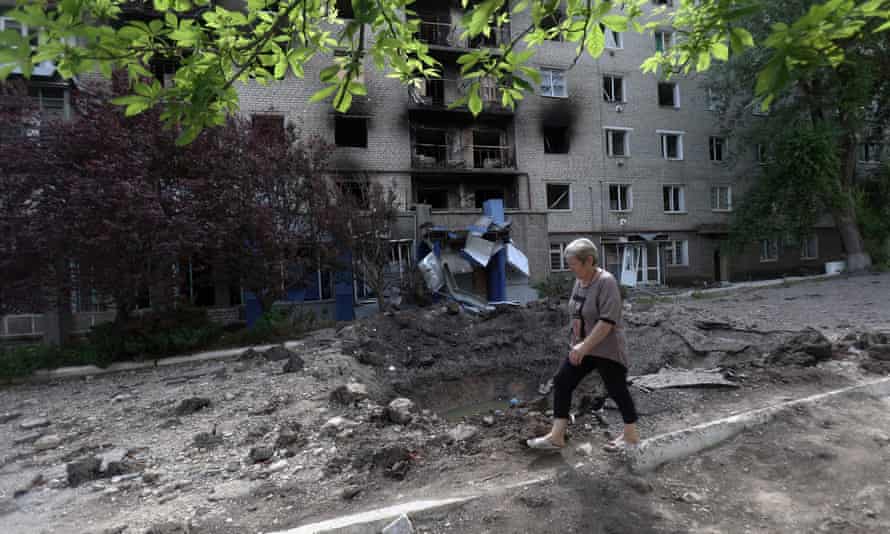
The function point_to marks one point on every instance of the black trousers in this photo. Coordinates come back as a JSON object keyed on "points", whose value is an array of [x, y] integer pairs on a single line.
{"points": [[614, 375]]}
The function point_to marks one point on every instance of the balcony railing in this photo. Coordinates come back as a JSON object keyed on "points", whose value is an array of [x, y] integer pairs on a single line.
{"points": [[449, 35], [453, 156], [440, 93], [492, 157]]}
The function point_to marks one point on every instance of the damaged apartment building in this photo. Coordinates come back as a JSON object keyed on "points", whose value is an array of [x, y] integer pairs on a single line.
{"points": [[600, 150]]}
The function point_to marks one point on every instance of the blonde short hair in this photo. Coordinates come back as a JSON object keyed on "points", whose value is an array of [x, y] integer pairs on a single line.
{"points": [[582, 249]]}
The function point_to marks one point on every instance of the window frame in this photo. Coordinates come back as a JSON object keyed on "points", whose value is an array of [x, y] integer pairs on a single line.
{"points": [[664, 39], [568, 193], [806, 244], [610, 144], [621, 85], [617, 39], [549, 73], [663, 136], [681, 198], [675, 94], [867, 154], [627, 197], [767, 247], [671, 253], [560, 249], [716, 195], [712, 145]]}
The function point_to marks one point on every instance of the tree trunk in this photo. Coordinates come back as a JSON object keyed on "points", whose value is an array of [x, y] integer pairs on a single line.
{"points": [[844, 212]]}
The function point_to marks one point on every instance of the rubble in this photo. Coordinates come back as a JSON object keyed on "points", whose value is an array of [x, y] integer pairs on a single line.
{"points": [[192, 405], [34, 422], [277, 354], [399, 411]]}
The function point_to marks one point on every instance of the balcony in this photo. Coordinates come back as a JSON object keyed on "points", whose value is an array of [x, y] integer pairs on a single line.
{"points": [[433, 148], [440, 93], [445, 35]]}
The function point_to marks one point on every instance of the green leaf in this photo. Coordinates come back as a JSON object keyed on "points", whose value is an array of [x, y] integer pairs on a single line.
{"points": [[616, 23], [188, 134], [357, 88], [343, 100], [329, 74], [720, 51], [596, 41], [475, 101], [324, 93], [704, 61]]}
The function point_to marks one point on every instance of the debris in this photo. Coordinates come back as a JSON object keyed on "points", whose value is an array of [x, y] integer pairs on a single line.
{"points": [[585, 449], [349, 394], [399, 411], [280, 465], [336, 424], [293, 364], [463, 432], [277, 354], [48, 442], [682, 378], [207, 440], [7, 417], [34, 422], [84, 470], [350, 492], [260, 454], [192, 405]]}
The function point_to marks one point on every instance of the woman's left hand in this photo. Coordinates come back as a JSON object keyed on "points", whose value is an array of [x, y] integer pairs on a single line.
{"points": [[577, 354]]}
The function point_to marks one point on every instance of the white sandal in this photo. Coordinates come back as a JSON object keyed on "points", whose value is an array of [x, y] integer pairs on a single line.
{"points": [[542, 443]]}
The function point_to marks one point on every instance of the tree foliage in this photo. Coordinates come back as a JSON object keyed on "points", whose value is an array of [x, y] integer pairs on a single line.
{"points": [[111, 203], [266, 40]]}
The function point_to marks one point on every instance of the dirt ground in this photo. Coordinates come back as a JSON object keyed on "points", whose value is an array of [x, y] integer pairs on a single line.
{"points": [[260, 444]]}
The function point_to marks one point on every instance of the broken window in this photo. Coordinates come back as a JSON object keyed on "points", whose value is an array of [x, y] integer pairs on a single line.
{"points": [[557, 257], [870, 152], [559, 197], [663, 2], [717, 147], [716, 101], [52, 101], [556, 140], [551, 22], [613, 38], [663, 40], [668, 94], [553, 83], [674, 198], [613, 88], [677, 252], [344, 9], [351, 131], [617, 143], [437, 198], [619, 197], [809, 248], [721, 198], [769, 250], [672, 145]]}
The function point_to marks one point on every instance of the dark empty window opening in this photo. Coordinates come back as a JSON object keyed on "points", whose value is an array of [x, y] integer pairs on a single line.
{"points": [[344, 9], [351, 131], [667, 94], [436, 198], [355, 192], [481, 195], [435, 91], [268, 125], [559, 197], [551, 22], [556, 140]]}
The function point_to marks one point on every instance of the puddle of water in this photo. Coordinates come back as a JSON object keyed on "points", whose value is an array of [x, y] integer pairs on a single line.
{"points": [[479, 408]]}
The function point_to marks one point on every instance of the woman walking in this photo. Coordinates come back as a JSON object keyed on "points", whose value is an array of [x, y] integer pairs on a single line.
{"points": [[597, 343]]}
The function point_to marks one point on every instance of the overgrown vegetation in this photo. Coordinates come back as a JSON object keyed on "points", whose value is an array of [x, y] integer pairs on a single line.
{"points": [[556, 285], [156, 336], [873, 207]]}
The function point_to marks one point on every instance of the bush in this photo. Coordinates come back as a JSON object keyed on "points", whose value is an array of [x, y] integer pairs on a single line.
{"points": [[154, 334], [557, 285], [279, 324], [25, 359]]}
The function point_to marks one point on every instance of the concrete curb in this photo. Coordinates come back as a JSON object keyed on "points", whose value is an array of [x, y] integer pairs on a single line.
{"points": [[45, 375], [664, 448], [740, 286], [372, 521]]}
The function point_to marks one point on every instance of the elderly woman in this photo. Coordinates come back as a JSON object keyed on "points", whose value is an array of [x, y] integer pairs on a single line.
{"points": [[597, 343]]}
